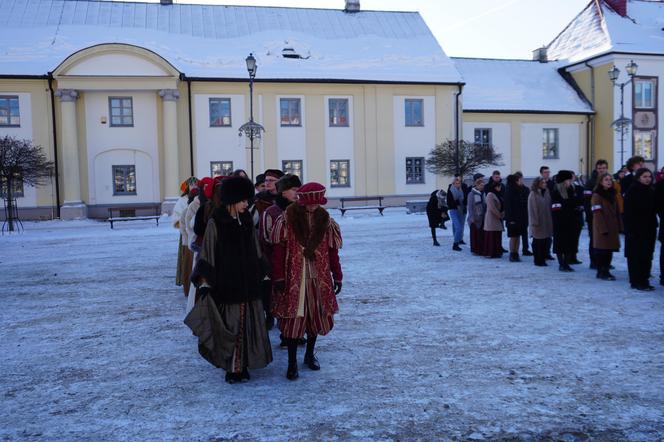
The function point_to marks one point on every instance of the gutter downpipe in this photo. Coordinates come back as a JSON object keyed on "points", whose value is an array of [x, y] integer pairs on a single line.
{"points": [[456, 126], [191, 133], [55, 146], [590, 147]]}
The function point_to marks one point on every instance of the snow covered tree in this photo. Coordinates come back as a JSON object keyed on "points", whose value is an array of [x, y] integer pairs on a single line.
{"points": [[20, 162], [446, 159]]}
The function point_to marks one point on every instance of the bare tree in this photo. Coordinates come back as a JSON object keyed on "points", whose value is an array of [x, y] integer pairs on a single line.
{"points": [[21, 161], [446, 159]]}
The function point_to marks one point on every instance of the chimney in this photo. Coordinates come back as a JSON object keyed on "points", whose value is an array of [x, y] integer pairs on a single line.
{"points": [[352, 6], [166, 2], [620, 6], [540, 55]]}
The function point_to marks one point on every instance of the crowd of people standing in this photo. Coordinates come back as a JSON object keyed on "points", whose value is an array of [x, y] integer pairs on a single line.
{"points": [[552, 212], [252, 252]]}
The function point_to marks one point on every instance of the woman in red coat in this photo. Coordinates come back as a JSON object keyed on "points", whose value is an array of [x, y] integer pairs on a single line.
{"points": [[306, 273]]}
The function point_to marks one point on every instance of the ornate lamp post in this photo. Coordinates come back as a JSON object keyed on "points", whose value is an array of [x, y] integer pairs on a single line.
{"points": [[622, 124], [251, 129]]}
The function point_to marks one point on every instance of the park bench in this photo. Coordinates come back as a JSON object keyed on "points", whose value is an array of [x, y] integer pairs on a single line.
{"points": [[344, 200], [129, 214]]}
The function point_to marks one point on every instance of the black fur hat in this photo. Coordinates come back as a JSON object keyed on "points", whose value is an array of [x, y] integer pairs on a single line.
{"points": [[235, 189], [563, 175], [288, 181]]}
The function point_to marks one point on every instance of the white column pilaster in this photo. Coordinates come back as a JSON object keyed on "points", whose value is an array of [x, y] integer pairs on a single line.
{"points": [[72, 207], [170, 136]]}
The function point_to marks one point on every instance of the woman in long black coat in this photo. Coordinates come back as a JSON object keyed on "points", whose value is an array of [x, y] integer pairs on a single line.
{"points": [[437, 212], [565, 220], [516, 213], [640, 229]]}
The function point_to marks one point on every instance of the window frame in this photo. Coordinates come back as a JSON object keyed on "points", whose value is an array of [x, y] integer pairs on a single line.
{"points": [[330, 113], [126, 174], [19, 191], [122, 114], [290, 169], [290, 117], [8, 109], [645, 79], [408, 101], [220, 100], [221, 163], [348, 180], [545, 141], [482, 129], [412, 171]]}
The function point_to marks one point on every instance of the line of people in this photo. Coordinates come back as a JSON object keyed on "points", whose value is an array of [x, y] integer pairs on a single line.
{"points": [[553, 212], [249, 253]]}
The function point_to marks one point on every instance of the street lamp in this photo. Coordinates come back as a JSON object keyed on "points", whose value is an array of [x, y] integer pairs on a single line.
{"points": [[251, 129], [622, 124]]}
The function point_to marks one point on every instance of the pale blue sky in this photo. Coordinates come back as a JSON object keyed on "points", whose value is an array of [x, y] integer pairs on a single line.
{"points": [[466, 28]]}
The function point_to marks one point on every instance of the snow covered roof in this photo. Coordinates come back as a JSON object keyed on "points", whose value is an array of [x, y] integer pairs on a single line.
{"points": [[598, 29], [517, 85], [212, 41]]}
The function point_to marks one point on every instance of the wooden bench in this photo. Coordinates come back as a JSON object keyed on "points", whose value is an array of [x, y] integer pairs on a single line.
{"points": [[129, 214], [344, 200]]}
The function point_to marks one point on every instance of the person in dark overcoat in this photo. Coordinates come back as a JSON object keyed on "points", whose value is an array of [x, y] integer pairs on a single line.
{"points": [[640, 220], [437, 212], [659, 205], [228, 318], [578, 197], [565, 219], [633, 164], [539, 219], [606, 226], [516, 213]]}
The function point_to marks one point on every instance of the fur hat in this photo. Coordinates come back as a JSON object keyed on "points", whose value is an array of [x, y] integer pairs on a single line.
{"points": [[311, 193], [235, 189], [563, 175], [260, 179], [288, 181], [276, 173]]}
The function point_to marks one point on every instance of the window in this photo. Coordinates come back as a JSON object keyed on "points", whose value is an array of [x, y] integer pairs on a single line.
{"points": [[17, 184], [550, 144], [644, 144], [220, 112], [122, 111], [483, 137], [340, 173], [338, 112], [292, 166], [9, 113], [415, 170], [414, 112], [221, 168], [290, 112], [644, 93], [124, 180]]}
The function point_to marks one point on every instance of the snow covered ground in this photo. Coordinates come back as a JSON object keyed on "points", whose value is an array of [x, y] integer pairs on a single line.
{"points": [[429, 344]]}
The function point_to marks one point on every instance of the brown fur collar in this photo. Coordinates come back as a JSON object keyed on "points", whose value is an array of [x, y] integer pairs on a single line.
{"points": [[296, 215]]}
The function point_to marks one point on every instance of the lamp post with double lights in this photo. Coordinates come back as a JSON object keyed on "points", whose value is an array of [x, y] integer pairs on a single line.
{"points": [[251, 129], [622, 124]]}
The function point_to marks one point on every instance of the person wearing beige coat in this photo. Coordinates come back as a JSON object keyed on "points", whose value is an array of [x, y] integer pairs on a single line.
{"points": [[540, 223], [493, 221], [607, 225]]}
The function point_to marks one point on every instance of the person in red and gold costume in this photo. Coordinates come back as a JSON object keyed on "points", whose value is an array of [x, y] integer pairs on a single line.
{"points": [[306, 273]]}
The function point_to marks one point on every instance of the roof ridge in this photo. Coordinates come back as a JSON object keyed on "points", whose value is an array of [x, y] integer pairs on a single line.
{"points": [[496, 59]]}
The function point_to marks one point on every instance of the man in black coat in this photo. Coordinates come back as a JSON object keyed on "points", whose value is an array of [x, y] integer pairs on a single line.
{"points": [[659, 205], [633, 164], [545, 174]]}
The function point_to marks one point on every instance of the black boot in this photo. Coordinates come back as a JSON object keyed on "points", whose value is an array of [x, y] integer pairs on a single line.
{"points": [[527, 252], [573, 260], [433, 235], [514, 257], [292, 373], [562, 263], [310, 359], [456, 247]]}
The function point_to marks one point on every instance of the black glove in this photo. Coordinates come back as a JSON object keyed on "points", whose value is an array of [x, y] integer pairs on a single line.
{"points": [[337, 287], [279, 286], [203, 292]]}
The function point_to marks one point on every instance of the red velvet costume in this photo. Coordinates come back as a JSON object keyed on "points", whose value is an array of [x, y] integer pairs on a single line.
{"points": [[306, 257]]}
